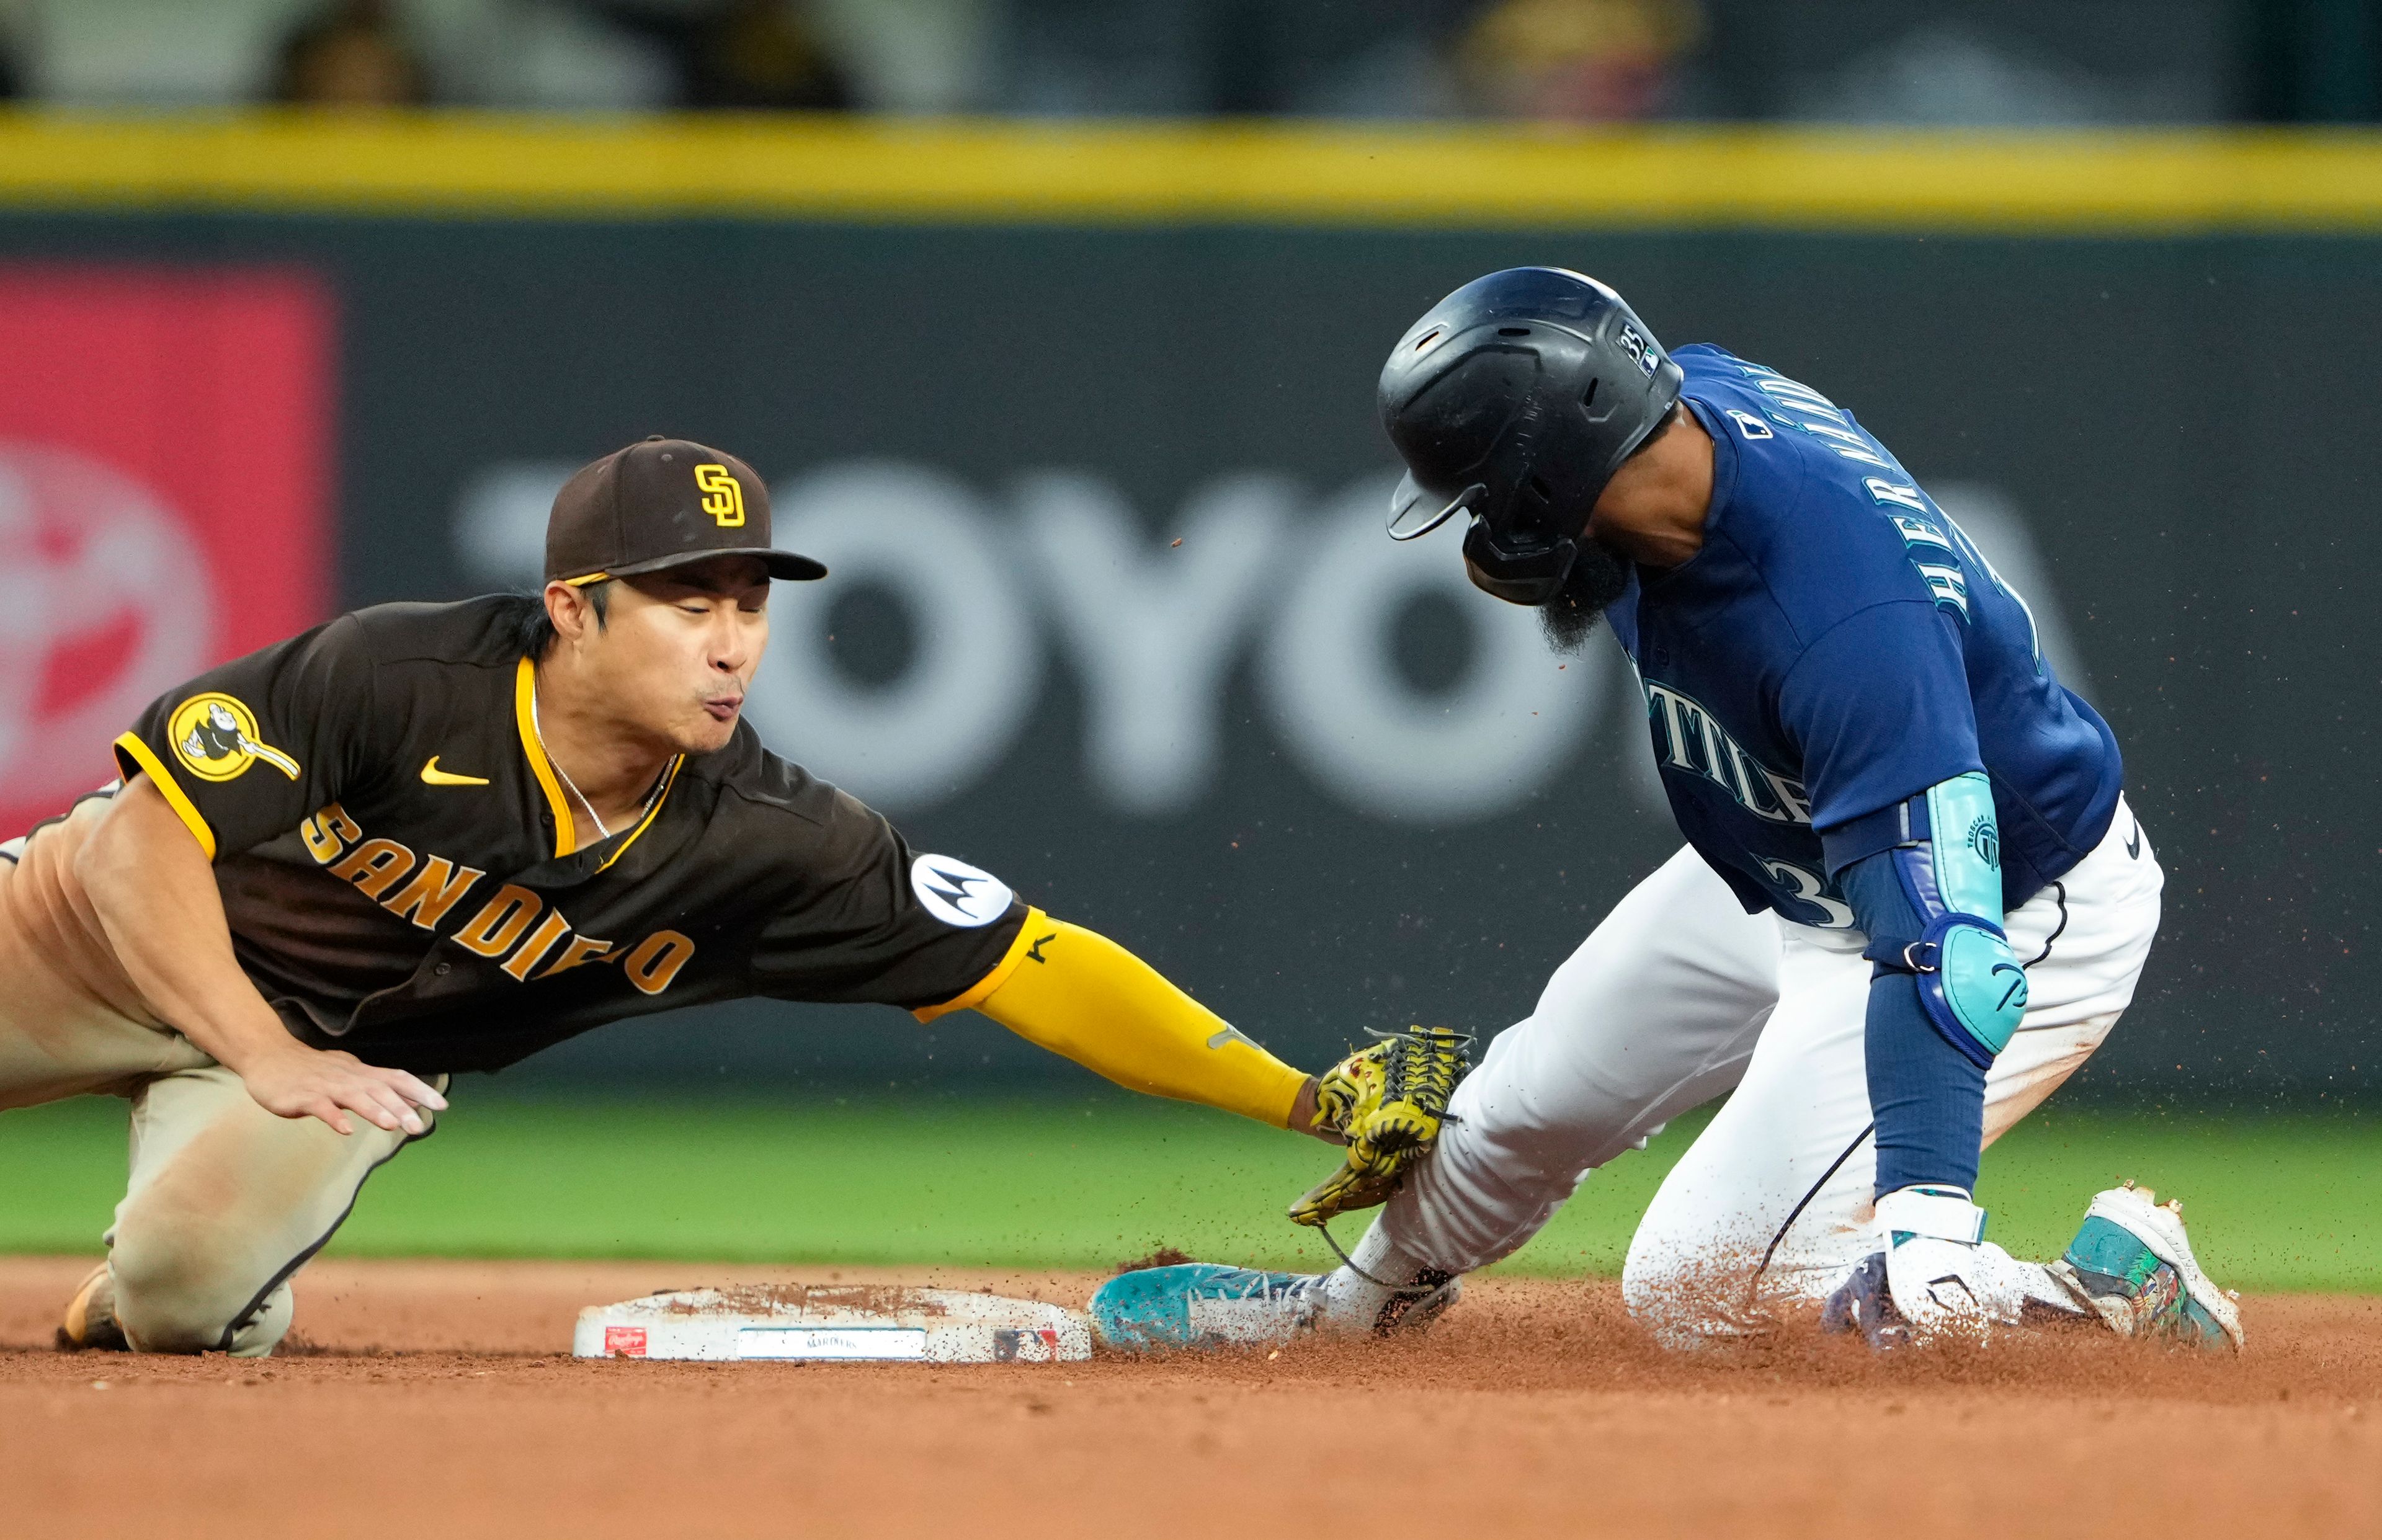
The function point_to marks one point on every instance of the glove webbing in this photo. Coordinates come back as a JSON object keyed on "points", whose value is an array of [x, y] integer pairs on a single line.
{"points": [[1413, 1068]]}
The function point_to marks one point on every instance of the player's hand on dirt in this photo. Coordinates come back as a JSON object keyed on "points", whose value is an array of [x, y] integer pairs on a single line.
{"points": [[1387, 1103], [1935, 1278], [311, 1082]]}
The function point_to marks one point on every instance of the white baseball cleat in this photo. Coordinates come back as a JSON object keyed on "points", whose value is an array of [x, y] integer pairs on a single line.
{"points": [[2131, 1264]]}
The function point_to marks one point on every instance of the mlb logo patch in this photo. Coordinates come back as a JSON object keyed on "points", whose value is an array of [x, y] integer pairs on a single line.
{"points": [[1035, 1345]]}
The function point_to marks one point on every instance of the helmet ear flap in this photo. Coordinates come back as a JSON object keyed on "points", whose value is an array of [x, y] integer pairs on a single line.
{"points": [[1530, 513]]}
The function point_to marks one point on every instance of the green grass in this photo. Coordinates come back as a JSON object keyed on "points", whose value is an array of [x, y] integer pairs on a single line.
{"points": [[2276, 1202]]}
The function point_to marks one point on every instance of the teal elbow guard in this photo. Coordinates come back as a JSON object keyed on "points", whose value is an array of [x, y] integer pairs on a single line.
{"points": [[1970, 983]]}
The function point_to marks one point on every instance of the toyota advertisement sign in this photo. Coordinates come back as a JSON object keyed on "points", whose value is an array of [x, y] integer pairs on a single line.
{"points": [[166, 449]]}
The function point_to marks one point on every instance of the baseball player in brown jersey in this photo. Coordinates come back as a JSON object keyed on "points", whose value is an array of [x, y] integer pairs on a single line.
{"points": [[428, 838]]}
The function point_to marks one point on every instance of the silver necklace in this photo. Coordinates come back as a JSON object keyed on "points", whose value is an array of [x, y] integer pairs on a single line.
{"points": [[598, 818]]}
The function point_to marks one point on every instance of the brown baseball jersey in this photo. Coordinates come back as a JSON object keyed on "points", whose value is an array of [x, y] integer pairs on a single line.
{"points": [[397, 859]]}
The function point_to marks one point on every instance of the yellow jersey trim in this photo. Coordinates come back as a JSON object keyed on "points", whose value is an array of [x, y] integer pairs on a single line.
{"points": [[566, 832], [669, 778], [133, 756], [1174, 172], [982, 990]]}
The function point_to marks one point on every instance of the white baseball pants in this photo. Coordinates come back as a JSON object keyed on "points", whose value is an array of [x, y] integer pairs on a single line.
{"points": [[1679, 997]]}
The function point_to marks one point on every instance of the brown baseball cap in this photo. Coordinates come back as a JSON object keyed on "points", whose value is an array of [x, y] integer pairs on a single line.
{"points": [[662, 504]]}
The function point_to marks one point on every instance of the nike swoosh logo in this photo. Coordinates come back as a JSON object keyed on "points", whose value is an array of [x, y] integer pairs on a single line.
{"points": [[2134, 843], [433, 775]]}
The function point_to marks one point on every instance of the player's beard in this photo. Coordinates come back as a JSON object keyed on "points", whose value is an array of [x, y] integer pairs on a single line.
{"points": [[1597, 578]]}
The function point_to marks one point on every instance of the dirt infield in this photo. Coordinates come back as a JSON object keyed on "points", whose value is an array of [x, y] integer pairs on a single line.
{"points": [[437, 1398]]}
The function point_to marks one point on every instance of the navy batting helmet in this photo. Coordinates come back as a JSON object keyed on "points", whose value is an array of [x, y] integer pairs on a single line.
{"points": [[1514, 400]]}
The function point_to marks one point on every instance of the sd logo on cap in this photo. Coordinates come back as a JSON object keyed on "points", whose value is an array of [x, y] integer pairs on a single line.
{"points": [[662, 504]]}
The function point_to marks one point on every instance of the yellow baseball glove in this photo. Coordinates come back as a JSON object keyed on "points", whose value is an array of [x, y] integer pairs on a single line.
{"points": [[1388, 1102]]}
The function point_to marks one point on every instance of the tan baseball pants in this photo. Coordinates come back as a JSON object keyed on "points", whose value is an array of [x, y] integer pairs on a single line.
{"points": [[225, 1201]]}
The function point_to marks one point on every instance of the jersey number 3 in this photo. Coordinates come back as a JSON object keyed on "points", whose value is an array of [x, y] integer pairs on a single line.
{"points": [[1805, 888]]}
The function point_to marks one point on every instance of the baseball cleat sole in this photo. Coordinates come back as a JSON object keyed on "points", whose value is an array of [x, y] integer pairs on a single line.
{"points": [[89, 1322]]}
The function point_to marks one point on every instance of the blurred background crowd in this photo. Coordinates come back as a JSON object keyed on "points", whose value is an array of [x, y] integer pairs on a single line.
{"points": [[1938, 62]]}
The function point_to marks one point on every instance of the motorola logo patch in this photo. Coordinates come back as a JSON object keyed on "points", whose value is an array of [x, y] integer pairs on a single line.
{"points": [[958, 894]]}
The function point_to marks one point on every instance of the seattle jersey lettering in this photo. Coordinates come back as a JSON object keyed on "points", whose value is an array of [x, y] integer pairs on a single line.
{"points": [[1687, 737]]}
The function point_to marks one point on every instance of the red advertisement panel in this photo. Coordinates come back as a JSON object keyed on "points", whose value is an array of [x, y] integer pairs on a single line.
{"points": [[166, 486]]}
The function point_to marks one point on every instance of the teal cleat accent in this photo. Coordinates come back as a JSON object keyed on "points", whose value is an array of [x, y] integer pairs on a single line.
{"points": [[2131, 1264], [1203, 1305]]}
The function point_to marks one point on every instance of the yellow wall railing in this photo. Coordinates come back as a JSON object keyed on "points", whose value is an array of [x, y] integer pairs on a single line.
{"points": [[1141, 173]]}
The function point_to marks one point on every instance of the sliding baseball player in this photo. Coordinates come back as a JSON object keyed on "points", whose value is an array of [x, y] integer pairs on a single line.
{"points": [[1911, 903]]}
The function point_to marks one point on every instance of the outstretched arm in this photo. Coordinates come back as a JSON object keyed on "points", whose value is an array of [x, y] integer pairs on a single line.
{"points": [[155, 895], [1083, 997]]}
